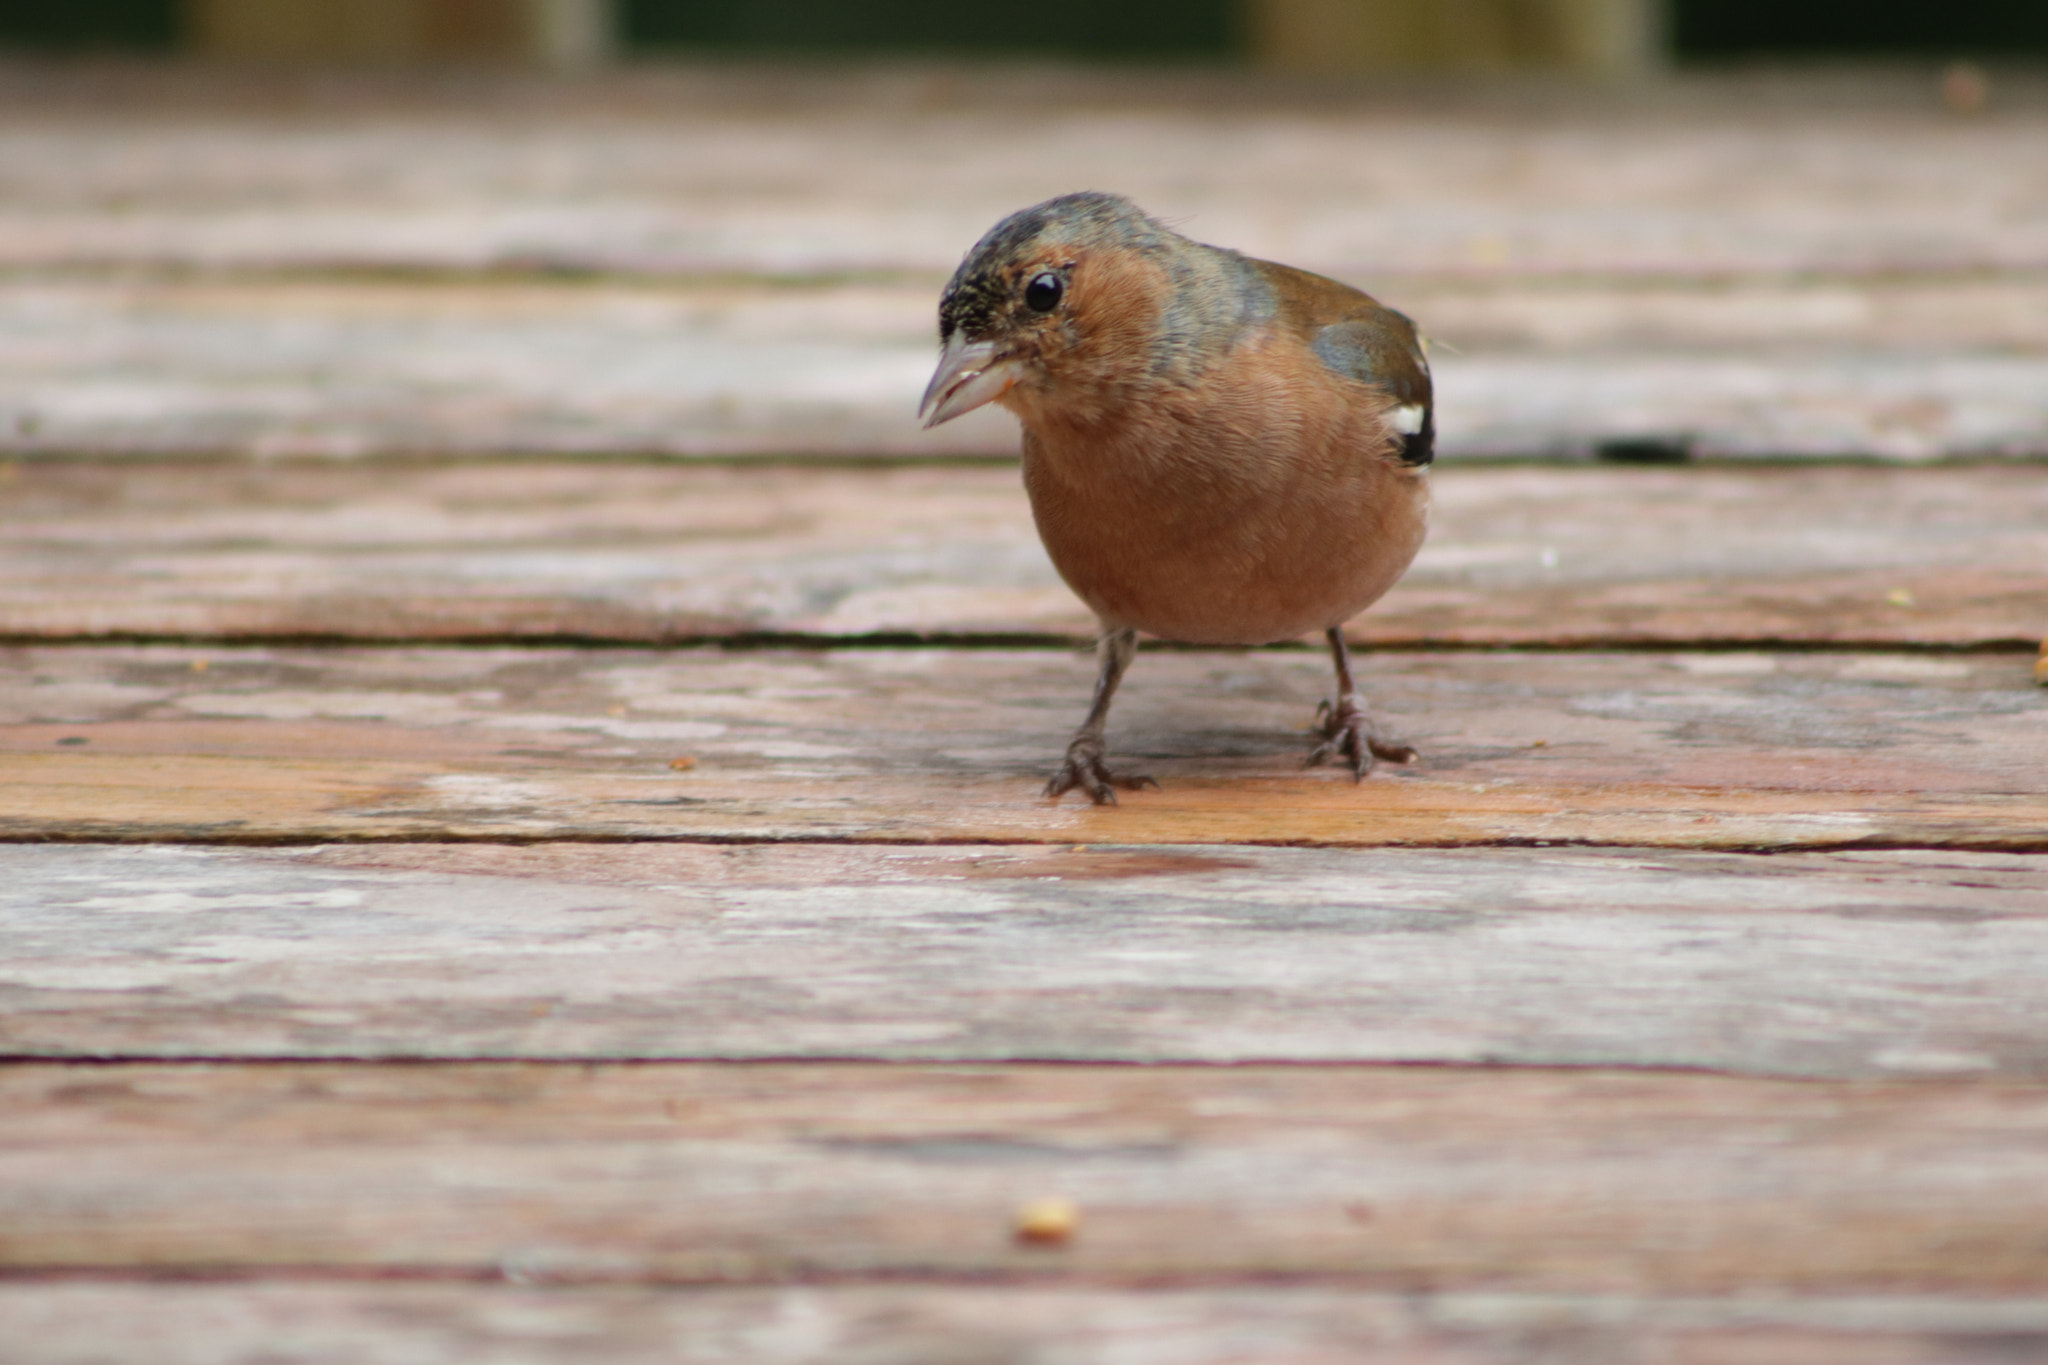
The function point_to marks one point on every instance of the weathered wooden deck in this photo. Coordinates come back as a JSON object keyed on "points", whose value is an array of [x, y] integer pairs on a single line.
{"points": [[521, 845]]}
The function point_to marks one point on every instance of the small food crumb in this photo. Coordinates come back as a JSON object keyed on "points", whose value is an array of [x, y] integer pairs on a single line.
{"points": [[619, 710], [1539, 743], [201, 665], [1047, 1222], [1900, 597], [683, 764]]}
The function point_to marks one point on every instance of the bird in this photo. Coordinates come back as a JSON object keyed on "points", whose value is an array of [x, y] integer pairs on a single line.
{"points": [[1218, 450]]}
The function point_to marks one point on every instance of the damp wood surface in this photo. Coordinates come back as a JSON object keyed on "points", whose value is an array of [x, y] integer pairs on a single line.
{"points": [[1382, 1177], [1844, 965], [641, 553], [1744, 750]]}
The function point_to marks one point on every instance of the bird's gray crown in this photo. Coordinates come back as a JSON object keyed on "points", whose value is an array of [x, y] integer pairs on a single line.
{"points": [[980, 289]]}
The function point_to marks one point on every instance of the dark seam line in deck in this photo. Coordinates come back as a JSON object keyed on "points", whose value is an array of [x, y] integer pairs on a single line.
{"points": [[2026, 645], [1051, 1274], [418, 459], [2028, 843], [566, 270], [900, 1065], [432, 458], [569, 273], [1050, 1277]]}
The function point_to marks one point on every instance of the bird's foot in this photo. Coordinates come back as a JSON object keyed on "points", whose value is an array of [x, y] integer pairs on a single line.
{"points": [[1084, 769], [1348, 732]]}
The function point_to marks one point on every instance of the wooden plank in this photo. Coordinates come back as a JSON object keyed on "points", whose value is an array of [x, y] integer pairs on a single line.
{"points": [[1388, 1178], [1687, 750], [1845, 965], [351, 367], [754, 256], [805, 170], [62, 1323], [655, 553]]}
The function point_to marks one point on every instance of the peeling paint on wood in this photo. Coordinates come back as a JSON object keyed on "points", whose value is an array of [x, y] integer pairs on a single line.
{"points": [[1688, 750], [1871, 964]]}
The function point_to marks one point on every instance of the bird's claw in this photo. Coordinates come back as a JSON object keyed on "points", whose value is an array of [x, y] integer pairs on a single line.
{"points": [[1348, 732], [1085, 770]]}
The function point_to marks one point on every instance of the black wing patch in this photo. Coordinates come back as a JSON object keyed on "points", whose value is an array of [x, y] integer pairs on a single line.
{"points": [[1380, 348]]}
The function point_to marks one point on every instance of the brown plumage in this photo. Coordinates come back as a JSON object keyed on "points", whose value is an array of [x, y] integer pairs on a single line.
{"points": [[1218, 450]]}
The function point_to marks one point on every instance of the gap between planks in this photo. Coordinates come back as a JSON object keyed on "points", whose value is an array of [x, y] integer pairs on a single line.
{"points": [[1062, 644]]}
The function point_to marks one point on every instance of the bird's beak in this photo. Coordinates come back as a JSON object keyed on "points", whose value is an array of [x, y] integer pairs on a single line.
{"points": [[968, 376]]}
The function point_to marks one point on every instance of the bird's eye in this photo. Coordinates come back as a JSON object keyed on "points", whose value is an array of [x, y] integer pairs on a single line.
{"points": [[1042, 295]]}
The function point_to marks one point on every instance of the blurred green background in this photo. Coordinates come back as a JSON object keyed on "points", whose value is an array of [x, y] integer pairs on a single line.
{"points": [[1107, 28], [1685, 30]]}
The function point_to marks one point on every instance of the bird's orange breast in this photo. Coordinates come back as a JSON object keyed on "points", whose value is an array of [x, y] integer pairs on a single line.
{"points": [[1257, 503]]}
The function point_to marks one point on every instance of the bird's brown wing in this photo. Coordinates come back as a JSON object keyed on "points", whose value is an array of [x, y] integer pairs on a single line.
{"points": [[1379, 346], [1357, 336]]}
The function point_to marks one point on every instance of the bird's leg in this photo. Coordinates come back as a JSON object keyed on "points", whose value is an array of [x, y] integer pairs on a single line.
{"points": [[1346, 730], [1084, 767]]}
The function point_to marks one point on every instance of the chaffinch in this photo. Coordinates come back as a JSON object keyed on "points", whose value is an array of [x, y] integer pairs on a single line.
{"points": [[1218, 450]]}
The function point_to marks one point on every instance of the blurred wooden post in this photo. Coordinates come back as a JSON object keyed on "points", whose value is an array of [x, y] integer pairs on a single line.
{"points": [[571, 33], [553, 32], [1596, 37]]}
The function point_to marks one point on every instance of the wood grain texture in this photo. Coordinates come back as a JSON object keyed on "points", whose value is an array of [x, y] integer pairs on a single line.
{"points": [[810, 170], [1721, 750], [321, 268], [1389, 1178], [637, 553], [412, 367], [421, 367], [299, 1323], [1845, 965], [1831, 1143]]}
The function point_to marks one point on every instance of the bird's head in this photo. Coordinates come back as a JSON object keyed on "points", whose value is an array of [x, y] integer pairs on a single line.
{"points": [[1053, 291]]}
